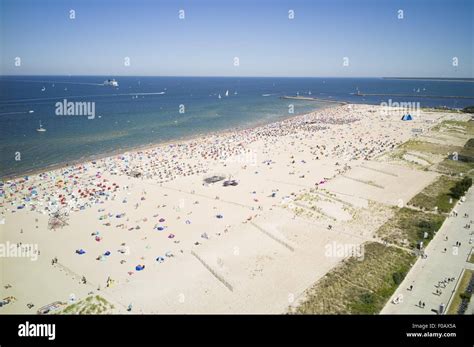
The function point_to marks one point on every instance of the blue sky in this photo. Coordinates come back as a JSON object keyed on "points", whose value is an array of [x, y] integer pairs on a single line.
{"points": [[258, 32]]}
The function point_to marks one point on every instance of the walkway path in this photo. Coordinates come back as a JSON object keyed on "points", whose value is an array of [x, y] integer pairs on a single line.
{"points": [[439, 265]]}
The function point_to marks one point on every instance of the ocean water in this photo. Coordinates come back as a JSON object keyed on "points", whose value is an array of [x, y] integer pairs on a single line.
{"points": [[146, 110]]}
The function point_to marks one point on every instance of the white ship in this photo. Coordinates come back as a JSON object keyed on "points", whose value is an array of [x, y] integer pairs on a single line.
{"points": [[111, 83]]}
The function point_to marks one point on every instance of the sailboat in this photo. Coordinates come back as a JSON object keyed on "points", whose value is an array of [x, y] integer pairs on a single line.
{"points": [[309, 93], [43, 89], [41, 129], [220, 97], [227, 93]]}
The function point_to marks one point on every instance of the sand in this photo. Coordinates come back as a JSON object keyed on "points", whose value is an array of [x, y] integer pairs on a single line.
{"points": [[304, 186]]}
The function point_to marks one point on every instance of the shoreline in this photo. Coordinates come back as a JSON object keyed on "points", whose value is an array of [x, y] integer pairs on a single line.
{"points": [[121, 151]]}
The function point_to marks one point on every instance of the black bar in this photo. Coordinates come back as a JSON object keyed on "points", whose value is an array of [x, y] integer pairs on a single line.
{"points": [[226, 329]]}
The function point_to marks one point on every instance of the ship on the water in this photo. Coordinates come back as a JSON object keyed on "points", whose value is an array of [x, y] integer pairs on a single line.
{"points": [[111, 83]]}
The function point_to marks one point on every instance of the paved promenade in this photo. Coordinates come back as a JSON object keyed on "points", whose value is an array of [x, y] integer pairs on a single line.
{"points": [[426, 274]]}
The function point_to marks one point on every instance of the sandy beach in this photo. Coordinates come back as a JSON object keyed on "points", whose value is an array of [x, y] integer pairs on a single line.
{"points": [[238, 222]]}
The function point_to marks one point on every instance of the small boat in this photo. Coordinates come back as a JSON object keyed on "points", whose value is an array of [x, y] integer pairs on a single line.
{"points": [[43, 89], [31, 111], [309, 93], [111, 83], [235, 93], [41, 129]]}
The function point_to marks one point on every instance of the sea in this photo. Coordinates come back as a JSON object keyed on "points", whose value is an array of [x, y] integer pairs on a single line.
{"points": [[143, 111]]}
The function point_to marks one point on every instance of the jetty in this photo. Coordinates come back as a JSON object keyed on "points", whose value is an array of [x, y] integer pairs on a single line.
{"points": [[415, 95], [307, 98]]}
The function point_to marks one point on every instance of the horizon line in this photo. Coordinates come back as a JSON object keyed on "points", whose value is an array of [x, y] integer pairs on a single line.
{"points": [[227, 76]]}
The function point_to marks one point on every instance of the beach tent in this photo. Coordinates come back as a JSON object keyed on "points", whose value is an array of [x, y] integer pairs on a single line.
{"points": [[139, 267], [80, 251], [407, 117]]}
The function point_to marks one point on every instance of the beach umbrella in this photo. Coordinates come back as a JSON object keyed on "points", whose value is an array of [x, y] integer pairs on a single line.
{"points": [[160, 228], [220, 216]]}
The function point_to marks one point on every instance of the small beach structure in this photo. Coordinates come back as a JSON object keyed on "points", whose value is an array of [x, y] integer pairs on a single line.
{"points": [[135, 174], [55, 306], [57, 220], [407, 117], [214, 179]]}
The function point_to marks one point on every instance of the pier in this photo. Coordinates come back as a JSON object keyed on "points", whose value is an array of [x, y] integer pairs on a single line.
{"points": [[416, 96], [312, 99]]}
